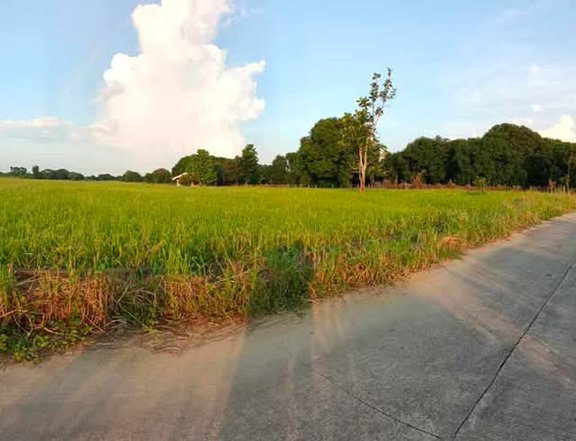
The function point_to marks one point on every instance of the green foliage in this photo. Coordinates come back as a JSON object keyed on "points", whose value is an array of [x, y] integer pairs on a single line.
{"points": [[201, 168], [296, 174], [18, 171], [104, 177], [506, 155], [284, 282], [132, 176], [205, 169], [60, 174], [480, 183], [227, 172], [429, 157], [27, 346], [324, 159], [249, 172], [159, 176], [277, 173]]}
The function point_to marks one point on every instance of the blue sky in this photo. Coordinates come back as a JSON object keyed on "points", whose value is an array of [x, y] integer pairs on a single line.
{"points": [[459, 66]]}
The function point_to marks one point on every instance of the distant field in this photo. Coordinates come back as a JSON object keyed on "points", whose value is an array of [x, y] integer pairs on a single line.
{"points": [[77, 257]]}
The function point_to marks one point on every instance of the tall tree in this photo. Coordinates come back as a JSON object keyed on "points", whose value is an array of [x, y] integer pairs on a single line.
{"points": [[201, 168], [248, 165], [363, 125], [231, 171], [325, 159]]}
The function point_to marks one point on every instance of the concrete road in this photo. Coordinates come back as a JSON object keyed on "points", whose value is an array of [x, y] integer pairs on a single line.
{"points": [[479, 349]]}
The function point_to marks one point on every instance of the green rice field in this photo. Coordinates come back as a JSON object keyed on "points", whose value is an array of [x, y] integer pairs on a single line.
{"points": [[78, 258]]}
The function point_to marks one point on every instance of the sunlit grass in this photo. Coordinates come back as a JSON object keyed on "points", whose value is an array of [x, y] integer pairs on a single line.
{"points": [[91, 253]]}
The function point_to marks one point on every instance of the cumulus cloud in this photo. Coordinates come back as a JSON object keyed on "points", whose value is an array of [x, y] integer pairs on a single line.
{"points": [[178, 94], [564, 130]]}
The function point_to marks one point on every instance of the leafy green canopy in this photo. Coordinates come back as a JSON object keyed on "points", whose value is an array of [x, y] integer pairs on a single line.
{"points": [[506, 155]]}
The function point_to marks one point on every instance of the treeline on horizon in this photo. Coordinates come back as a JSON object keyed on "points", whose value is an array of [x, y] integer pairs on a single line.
{"points": [[507, 155]]}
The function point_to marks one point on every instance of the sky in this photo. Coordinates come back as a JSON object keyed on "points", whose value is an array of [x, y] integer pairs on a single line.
{"points": [[102, 86]]}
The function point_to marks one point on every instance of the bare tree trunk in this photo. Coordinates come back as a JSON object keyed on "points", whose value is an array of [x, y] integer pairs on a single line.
{"points": [[365, 167], [363, 164], [362, 168]]}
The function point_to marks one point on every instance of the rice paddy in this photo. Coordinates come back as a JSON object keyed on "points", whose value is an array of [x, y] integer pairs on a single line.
{"points": [[77, 258]]}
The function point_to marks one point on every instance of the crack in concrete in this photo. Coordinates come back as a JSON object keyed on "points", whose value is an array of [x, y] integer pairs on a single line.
{"points": [[374, 408], [512, 350]]}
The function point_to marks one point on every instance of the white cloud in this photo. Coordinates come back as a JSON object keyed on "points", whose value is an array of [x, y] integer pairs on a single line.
{"points": [[537, 108], [522, 121], [564, 129], [54, 143], [178, 94], [534, 95], [514, 89], [49, 130]]}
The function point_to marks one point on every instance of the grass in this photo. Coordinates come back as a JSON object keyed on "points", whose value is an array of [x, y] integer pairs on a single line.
{"points": [[81, 257]]}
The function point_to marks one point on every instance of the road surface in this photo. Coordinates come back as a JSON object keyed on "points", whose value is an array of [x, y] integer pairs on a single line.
{"points": [[480, 349]]}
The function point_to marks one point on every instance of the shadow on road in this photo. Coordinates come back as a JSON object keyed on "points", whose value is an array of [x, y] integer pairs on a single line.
{"points": [[483, 346]]}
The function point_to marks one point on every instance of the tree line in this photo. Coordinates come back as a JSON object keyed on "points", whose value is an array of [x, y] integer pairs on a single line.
{"points": [[507, 155], [159, 176]]}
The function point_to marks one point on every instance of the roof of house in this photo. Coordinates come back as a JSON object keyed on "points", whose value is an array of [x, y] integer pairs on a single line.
{"points": [[176, 178]]}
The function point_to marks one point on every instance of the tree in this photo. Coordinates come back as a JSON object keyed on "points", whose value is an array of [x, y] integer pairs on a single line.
{"points": [[506, 155], [325, 159], [277, 172], [220, 167], [201, 168], [428, 157], [159, 176], [376, 161], [131, 176], [18, 171], [519, 138], [396, 168], [75, 176], [459, 167], [248, 165], [36, 172], [231, 171], [295, 174], [105, 177], [362, 126]]}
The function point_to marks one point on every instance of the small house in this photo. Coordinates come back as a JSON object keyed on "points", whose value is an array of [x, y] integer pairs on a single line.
{"points": [[178, 179]]}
